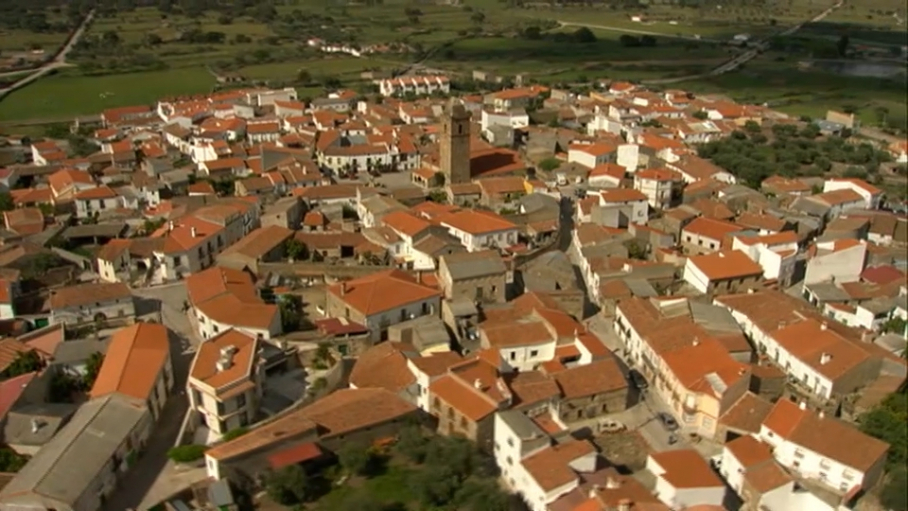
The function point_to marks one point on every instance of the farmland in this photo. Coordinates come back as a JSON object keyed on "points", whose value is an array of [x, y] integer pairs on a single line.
{"points": [[142, 54]]}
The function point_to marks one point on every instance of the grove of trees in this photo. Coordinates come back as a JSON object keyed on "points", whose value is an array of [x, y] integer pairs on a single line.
{"points": [[752, 156], [438, 473]]}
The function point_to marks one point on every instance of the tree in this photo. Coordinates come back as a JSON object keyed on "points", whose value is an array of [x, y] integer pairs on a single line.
{"points": [[648, 41], [893, 496], [289, 485], [234, 433], [882, 115], [296, 249], [435, 485], [186, 453], [629, 41], [635, 249], [700, 114], [584, 35], [842, 45], [11, 461], [482, 495], [291, 307], [887, 422], [355, 458], [478, 17], [24, 363], [6, 202], [550, 164], [92, 368], [752, 127], [110, 38], [412, 443], [303, 76], [532, 33], [153, 39]]}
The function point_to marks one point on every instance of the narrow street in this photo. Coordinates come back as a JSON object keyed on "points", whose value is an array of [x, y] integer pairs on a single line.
{"points": [[154, 477]]}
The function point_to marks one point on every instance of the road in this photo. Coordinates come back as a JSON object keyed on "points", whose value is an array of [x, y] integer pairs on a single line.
{"points": [[154, 477], [58, 61]]}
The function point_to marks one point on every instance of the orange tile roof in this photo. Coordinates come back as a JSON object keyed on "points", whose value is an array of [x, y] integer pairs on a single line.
{"points": [[711, 228], [657, 175], [767, 476], [838, 197], [341, 412], [726, 264], [405, 223], [242, 366], [685, 468], [696, 363], [461, 396], [598, 377], [476, 221], [384, 366], [135, 359], [825, 436], [382, 291], [551, 469], [749, 451], [229, 296], [818, 346], [859, 183], [622, 195]]}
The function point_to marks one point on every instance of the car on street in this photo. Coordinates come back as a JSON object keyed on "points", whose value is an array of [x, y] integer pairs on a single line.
{"points": [[667, 420], [637, 379]]}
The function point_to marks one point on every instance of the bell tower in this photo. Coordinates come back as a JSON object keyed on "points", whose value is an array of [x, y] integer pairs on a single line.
{"points": [[454, 150]]}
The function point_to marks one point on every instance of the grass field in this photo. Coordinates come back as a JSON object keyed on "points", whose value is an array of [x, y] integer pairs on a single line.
{"points": [[70, 94], [21, 40], [810, 93]]}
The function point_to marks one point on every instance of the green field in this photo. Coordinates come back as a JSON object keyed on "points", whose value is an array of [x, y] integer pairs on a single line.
{"points": [[69, 94], [810, 93]]}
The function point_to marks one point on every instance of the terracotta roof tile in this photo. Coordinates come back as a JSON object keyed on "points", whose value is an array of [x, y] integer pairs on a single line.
{"points": [[135, 358], [595, 378], [686, 469], [242, 362], [382, 292]]}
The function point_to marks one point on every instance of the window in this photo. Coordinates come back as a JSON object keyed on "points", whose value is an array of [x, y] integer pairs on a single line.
{"points": [[221, 408], [241, 401], [534, 353], [509, 460], [513, 355], [847, 475], [510, 442], [463, 422]]}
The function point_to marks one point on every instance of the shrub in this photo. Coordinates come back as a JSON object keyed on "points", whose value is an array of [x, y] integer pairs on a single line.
{"points": [[186, 453], [234, 433]]}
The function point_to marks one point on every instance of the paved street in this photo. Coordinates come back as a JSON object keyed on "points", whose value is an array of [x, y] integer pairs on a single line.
{"points": [[155, 477]]}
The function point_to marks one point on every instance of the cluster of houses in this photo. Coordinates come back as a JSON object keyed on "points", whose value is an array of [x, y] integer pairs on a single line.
{"points": [[457, 247]]}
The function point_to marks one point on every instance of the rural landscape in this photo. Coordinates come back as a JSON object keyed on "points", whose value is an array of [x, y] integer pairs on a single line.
{"points": [[135, 53], [453, 255]]}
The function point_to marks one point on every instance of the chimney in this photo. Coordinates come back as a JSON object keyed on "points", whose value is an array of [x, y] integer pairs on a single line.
{"points": [[822, 414], [170, 225], [803, 405], [625, 504], [192, 231], [225, 361], [343, 288], [612, 484], [36, 425], [419, 276], [825, 358], [477, 384], [824, 326], [696, 341], [750, 291]]}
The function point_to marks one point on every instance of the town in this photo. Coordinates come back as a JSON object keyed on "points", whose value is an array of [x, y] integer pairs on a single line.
{"points": [[630, 298]]}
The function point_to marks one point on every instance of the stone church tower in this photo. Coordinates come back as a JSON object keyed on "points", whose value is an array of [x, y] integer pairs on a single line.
{"points": [[454, 150]]}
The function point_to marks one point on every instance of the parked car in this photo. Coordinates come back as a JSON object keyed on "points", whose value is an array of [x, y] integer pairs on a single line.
{"points": [[668, 421], [637, 379]]}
